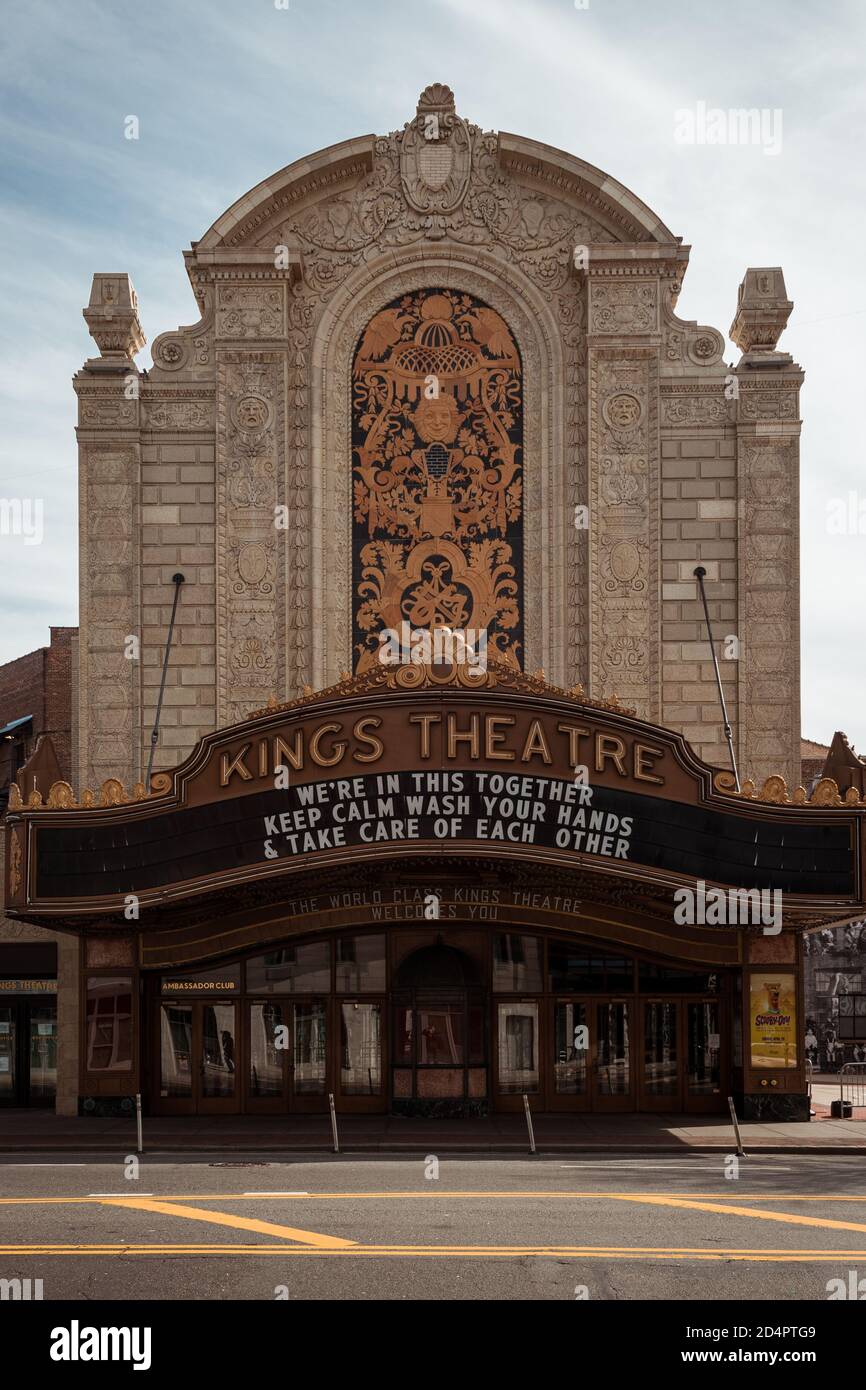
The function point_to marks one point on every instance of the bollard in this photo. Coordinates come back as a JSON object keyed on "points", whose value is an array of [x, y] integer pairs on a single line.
{"points": [[334, 1122], [138, 1121], [741, 1153], [529, 1124]]}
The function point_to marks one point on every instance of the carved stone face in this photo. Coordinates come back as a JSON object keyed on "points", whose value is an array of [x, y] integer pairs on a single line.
{"points": [[252, 413], [437, 420]]}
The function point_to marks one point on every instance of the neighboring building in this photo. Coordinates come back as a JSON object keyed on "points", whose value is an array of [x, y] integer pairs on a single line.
{"points": [[813, 756], [438, 381], [38, 968]]}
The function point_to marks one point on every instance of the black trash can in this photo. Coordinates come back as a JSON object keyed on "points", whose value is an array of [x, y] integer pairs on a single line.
{"points": [[841, 1110]]}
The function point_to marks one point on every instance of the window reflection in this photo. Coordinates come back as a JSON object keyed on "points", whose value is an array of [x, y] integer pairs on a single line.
{"points": [[109, 1023], [361, 964]]}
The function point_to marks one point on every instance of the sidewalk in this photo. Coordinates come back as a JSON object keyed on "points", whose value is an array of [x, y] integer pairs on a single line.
{"points": [[26, 1132]]}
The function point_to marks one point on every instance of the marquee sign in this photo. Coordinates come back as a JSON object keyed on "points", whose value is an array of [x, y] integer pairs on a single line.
{"points": [[399, 763]]}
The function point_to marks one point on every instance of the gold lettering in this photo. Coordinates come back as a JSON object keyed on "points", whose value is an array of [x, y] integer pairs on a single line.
{"points": [[362, 736], [425, 720], [284, 754], [263, 757], [575, 733], [643, 766], [319, 758], [456, 735], [536, 744], [237, 765], [609, 747], [492, 736]]}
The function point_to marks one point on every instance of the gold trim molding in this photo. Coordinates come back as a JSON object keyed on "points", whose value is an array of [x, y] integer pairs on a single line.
{"points": [[775, 791], [495, 676]]}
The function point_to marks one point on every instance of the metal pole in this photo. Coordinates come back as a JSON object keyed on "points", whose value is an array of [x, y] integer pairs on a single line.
{"points": [[138, 1121], [529, 1124], [177, 580], [700, 575], [741, 1153], [334, 1122]]}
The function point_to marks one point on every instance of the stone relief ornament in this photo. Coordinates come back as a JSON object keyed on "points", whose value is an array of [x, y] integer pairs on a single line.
{"points": [[178, 415], [436, 156], [437, 476]]}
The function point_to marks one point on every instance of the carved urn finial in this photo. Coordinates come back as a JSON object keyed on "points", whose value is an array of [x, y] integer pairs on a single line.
{"points": [[763, 310], [112, 317]]}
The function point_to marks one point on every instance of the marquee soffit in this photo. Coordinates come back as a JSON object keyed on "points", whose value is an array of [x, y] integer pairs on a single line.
{"points": [[409, 677]]}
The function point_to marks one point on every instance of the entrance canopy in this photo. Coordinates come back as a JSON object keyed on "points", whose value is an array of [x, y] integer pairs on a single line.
{"points": [[445, 772]]}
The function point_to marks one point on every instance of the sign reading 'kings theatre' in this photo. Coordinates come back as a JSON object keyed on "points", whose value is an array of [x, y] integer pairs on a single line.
{"points": [[414, 763]]}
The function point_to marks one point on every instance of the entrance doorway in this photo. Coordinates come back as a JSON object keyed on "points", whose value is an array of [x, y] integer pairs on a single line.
{"points": [[28, 1052], [198, 1057], [439, 1049], [681, 1055]]}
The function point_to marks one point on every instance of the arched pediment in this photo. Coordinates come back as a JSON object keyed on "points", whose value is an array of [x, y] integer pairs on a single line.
{"points": [[439, 177]]}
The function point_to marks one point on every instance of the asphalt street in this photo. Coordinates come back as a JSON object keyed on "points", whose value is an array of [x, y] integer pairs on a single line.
{"points": [[691, 1228]]}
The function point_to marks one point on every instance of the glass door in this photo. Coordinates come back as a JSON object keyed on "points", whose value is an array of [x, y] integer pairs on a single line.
{"points": [[198, 1058], [612, 1079], [360, 1063], [8, 1061], [661, 1061], [569, 1073], [216, 1048], [518, 1052], [705, 1088], [288, 1055], [43, 1053]]}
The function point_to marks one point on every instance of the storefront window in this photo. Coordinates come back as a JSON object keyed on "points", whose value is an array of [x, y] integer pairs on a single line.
{"points": [[109, 1023], [360, 964], [516, 963], [304, 969]]}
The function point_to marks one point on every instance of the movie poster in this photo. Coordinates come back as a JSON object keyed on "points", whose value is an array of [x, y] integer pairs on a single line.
{"points": [[773, 1012]]}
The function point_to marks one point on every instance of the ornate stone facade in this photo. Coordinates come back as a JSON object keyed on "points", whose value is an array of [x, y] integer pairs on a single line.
{"points": [[642, 453]]}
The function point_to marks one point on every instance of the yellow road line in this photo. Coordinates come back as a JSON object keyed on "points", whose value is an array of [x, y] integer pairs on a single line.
{"points": [[447, 1252], [824, 1222], [219, 1218], [442, 1194]]}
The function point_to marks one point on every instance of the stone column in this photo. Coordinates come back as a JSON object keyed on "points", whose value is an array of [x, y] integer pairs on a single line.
{"points": [[768, 466]]}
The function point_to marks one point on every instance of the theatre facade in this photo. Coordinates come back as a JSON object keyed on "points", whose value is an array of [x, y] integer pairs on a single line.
{"points": [[438, 386]]}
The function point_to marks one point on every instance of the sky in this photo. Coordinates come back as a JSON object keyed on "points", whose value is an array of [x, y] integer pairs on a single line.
{"points": [[228, 91]]}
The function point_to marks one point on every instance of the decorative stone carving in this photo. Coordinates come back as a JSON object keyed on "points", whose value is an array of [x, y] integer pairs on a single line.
{"points": [[623, 480], [112, 317], [436, 158], [628, 308], [694, 410], [178, 415], [763, 310], [251, 311], [250, 486]]}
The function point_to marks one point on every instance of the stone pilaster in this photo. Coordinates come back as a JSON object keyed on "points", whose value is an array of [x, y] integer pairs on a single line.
{"points": [[109, 447], [623, 345], [768, 464]]}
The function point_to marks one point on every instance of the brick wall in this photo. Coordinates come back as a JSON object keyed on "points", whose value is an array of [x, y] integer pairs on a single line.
{"points": [[177, 521], [699, 526]]}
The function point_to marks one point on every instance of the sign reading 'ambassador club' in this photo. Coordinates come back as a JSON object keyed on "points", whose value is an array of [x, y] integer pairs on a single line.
{"points": [[375, 768]]}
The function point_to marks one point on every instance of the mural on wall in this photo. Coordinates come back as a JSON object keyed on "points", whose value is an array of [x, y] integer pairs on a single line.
{"points": [[437, 475]]}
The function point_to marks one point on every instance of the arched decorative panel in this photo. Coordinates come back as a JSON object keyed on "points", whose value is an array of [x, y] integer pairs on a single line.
{"points": [[437, 474]]}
